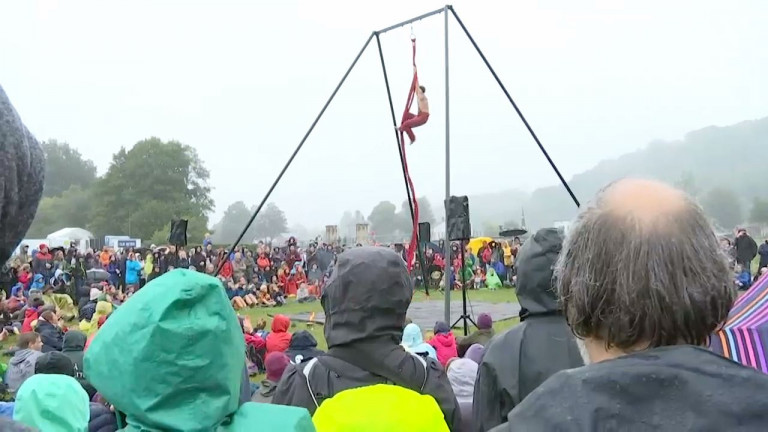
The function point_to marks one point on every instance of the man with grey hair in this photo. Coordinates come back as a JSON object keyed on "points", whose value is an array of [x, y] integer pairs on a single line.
{"points": [[643, 284]]}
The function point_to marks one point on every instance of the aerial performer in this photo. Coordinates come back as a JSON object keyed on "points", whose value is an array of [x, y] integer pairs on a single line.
{"points": [[411, 120]]}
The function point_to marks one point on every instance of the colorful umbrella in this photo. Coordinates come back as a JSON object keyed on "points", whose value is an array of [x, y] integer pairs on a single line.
{"points": [[744, 337]]}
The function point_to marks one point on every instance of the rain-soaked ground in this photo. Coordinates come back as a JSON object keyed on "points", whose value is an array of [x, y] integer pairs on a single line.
{"points": [[426, 313]]}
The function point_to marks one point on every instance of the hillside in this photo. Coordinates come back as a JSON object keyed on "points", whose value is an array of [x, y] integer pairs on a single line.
{"points": [[729, 157]]}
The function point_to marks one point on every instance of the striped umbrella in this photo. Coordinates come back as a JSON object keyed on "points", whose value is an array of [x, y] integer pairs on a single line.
{"points": [[744, 337]]}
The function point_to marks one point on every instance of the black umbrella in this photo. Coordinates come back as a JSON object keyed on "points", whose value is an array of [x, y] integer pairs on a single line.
{"points": [[515, 232]]}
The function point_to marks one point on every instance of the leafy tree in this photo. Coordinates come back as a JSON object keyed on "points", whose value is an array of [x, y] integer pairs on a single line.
{"points": [[64, 168], [271, 222], [147, 186], [759, 211], [724, 206], [383, 220], [55, 213], [232, 223]]}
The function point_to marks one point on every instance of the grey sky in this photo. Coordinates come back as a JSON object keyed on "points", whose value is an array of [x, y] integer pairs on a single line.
{"points": [[242, 81]]}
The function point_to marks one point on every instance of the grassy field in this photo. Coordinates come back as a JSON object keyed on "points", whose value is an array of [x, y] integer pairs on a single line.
{"points": [[292, 307]]}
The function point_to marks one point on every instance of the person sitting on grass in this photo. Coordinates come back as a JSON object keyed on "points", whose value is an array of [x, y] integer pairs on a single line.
{"points": [[303, 347], [277, 296], [235, 292], [7, 323], [194, 343], [22, 364], [743, 279], [52, 403], [264, 298], [366, 375], [413, 342], [275, 363], [49, 329], [255, 347], [492, 280], [303, 295], [444, 343], [31, 314], [74, 348], [481, 336], [279, 339]]}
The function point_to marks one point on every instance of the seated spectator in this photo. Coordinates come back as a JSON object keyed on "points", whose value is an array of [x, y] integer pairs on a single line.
{"points": [[56, 363], [277, 296], [52, 403], [518, 361], [462, 374], [194, 344], [7, 323], [481, 336], [255, 347], [356, 410], [31, 314], [643, 285], [303, 295], [22, 364], [492, 280], [476, 353], [315, 275], [444, 343], [275, 363], [303, 347], [88, 308], [264, 298], [279, 339], [413, 342], [103, 308], [74, 348], [50, 332], [365, 302]]}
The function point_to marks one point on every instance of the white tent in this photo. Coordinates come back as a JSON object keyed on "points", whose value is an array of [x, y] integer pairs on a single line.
{"points": [[71, 234]]}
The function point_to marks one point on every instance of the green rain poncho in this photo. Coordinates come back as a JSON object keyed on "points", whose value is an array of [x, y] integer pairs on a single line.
{"points": [[172, 358]]}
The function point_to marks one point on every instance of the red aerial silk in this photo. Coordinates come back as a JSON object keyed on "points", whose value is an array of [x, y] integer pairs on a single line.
{"points": [[407, 116]]}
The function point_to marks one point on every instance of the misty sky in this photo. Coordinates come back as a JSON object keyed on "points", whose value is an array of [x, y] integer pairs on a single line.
{"points": [[241, 81]]}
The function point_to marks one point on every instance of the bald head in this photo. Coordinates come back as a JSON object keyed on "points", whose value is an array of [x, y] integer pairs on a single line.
{"points": [[643, 200], [642, 267]]}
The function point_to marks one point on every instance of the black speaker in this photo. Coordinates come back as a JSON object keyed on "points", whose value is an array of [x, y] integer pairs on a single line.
{"points": [[457, 218], [178, 235], [425, 232]]}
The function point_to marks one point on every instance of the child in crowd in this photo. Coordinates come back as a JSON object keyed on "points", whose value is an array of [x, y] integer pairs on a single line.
{"points": [[743, 278], [260, 328], [277, 296], [479, 278], [279, 339], [444, 343], [17, 299], [25, 276], [264, 298], [31, 314], [255, 347]]}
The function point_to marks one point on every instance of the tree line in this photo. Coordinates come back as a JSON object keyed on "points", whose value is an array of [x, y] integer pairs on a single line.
{"points": [[143, 189]]}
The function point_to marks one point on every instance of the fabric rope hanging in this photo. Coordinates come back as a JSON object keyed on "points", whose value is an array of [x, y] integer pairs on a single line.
{"points": [[406, 115]]}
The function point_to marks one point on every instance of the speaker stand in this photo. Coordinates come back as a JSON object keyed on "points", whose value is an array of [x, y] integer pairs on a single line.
{"points": [[464, 315]]}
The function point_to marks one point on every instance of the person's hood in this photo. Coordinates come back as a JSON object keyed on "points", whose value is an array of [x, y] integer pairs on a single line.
{"points": [[54, 362], [476, 352], [281, 324], [181, 356], [672, 388], [302, 339], [444, 339], [52, 403], [74, 340], [535, 264], [22, 355], [412, 336], [366, 297], [38, 279], [462, 374]]}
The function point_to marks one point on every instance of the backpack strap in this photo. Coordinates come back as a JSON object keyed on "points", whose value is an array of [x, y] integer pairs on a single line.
{"points": [[306, 371], [423, 363]]}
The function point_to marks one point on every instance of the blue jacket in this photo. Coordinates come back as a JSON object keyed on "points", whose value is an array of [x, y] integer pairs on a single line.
{"points": [[745, 278], [6, 409], [132, 272]]}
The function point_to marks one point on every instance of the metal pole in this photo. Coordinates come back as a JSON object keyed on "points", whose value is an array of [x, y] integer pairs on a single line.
{"points": [[402, 164], [406, 22], [447, 242], [514, 105], [295, 152]]}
